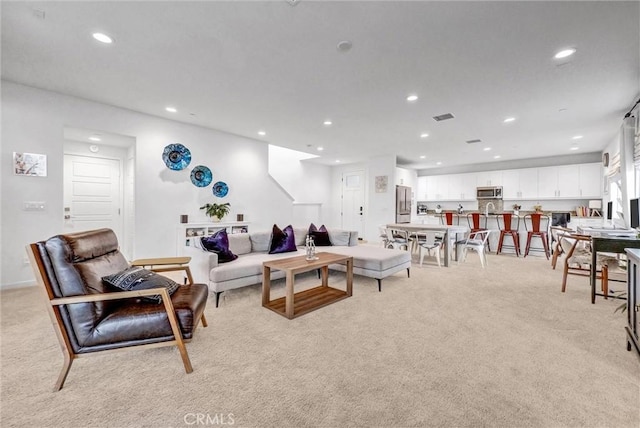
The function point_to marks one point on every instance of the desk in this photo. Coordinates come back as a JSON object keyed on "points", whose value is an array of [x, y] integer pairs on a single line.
{"points": [[607, 232], [453, 230], [607, 245]]}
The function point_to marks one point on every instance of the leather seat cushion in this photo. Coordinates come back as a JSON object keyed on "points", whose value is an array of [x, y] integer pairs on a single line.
{"points": [[139, 320]]}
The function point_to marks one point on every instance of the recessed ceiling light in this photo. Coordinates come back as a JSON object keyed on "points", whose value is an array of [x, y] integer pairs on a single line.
{"points": [[509, 119], [576, 137], [262, 133], [564, 53], [320, 149], [171, 109], [438, 163], [344, 46], [327, 123], [337, 160], [422, 157], [574, 148], [497, 157], [424, 135], [95, 138], [486, 149], [412, 98], [101, 37]]}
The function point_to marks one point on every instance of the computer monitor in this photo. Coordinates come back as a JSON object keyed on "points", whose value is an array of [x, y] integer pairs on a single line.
{"points": [[609, 210], [634, 205]]}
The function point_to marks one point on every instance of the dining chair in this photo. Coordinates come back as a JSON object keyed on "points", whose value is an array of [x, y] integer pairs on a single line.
{"points": [[478, 222], [398, 239], [382, 234], [477, 242], [426, 241], [557, 249], [579, 257]]}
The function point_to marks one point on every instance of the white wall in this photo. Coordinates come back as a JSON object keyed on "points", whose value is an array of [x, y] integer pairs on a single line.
{"points": [[379, 207], [33, 121]]}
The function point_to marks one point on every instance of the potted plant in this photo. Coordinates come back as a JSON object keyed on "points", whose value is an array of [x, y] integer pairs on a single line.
{"points": [[216, 211], [516, 209], [538, 208], [438, 209]]}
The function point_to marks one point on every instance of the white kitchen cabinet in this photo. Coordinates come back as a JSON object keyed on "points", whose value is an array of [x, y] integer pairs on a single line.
{"points": [[421, 191], [548, 182], [559, 182], [568, 181], [437, 188], [489, 178], [591, 180], [461, 187], [581, 181], [520, 183]]}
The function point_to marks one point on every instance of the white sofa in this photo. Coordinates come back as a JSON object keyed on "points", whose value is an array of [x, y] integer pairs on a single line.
{"points": [[252, 250]]}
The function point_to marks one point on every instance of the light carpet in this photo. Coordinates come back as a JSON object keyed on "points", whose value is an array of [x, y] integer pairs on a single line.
{"points": [[449, 347]]}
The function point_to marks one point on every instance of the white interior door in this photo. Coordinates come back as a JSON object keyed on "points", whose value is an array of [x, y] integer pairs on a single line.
{"points": [[92, 194], [353, 201]]}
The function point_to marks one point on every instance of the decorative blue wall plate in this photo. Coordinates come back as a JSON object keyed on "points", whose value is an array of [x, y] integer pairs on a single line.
{"points": [[176, 156], [201, 176], [220, 189]]}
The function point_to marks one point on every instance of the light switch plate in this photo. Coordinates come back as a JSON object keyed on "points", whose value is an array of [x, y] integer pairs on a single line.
{"points": [[33, 206]]}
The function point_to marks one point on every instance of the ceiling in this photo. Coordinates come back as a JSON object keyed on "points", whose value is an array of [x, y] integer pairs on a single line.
{"points": [[242, 67]]}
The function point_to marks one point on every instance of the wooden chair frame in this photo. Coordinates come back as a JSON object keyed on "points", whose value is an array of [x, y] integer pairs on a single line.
{"points": [[557, 233], [53, 307], [601, 274]]}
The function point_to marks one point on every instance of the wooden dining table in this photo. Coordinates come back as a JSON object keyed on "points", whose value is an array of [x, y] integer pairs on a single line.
{"points": [[454, 231]]}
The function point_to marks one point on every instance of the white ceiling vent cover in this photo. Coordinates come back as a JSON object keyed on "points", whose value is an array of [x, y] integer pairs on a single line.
{"points": [[442, 117]]}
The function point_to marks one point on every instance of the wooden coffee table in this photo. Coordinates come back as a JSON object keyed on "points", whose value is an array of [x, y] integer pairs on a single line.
{"points": [[293, 305]]}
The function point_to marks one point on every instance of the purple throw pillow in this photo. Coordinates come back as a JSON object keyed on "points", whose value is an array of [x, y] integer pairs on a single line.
{"points": [[219, 243], [320, 236], [282, 241]]}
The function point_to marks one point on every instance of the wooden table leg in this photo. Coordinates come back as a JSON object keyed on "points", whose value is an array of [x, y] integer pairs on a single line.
{"points": [[350, 277], [325, 276], [446, 248], [289, 295], [266, 285]]}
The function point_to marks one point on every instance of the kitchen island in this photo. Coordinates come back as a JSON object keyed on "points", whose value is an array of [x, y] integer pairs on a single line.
{"points": [[432, 218]]}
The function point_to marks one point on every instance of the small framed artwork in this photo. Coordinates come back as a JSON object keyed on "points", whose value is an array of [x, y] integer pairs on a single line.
{"points": [[32, 164], [381, 183]]}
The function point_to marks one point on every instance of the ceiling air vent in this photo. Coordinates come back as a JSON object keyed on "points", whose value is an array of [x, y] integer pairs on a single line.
{"points": [[473, 141], [442, 117]]}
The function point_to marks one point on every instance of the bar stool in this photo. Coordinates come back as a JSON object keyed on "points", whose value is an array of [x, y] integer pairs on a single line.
{"points": [[449, 218], [507, 228], [477, 225], [535, 220]]}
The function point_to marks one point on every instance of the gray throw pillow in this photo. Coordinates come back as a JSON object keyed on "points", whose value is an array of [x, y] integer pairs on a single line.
{"points": [[137, 278]]}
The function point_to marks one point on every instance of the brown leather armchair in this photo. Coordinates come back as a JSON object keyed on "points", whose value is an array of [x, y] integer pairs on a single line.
{"points": [[90, 316]]}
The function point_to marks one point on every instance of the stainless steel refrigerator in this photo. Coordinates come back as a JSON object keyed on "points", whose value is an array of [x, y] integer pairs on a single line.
{"points": [[403, 204]]}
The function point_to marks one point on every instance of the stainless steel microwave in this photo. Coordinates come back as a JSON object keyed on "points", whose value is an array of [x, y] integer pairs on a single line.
{"points": [[494, 192]]}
